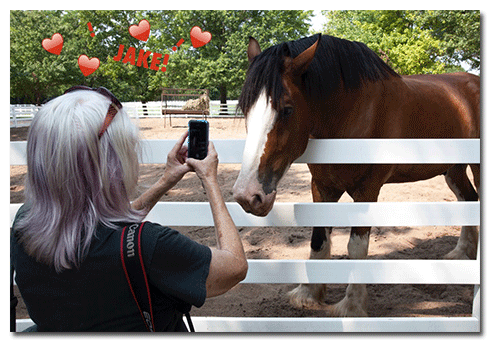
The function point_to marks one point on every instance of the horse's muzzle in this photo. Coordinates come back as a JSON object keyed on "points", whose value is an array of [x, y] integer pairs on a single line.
{"points": [[254, 202]]}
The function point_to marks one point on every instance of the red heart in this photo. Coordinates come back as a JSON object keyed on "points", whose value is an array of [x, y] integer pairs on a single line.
{"points": [[140, 31], [88, 65], [199, 38], [53, 45]]}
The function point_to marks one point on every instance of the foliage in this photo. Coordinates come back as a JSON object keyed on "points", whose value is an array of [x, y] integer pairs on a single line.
{"points": [[458, 32], [220, 66], [413, 42], [35, 74]]}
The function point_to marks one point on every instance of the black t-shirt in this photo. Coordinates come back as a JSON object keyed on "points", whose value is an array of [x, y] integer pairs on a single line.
{"points": [[96, 296]]}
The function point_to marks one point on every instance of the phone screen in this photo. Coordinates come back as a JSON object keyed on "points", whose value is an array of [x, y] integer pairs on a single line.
{"points": [[198, 139]]}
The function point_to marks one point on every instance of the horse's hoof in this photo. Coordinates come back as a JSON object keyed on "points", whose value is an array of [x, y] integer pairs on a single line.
{"points": [[308, 296], [457, 254], [348, 308]]}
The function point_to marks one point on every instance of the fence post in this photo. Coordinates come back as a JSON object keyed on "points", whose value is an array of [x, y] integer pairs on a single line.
{"points": [[13, 114]]}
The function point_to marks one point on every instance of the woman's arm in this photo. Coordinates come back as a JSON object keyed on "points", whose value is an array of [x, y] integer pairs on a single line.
{"points": [[175, 169], [228, 262]]}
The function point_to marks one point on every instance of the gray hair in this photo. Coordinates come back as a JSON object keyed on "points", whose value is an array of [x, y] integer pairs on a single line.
{"points": [[75, 180]]}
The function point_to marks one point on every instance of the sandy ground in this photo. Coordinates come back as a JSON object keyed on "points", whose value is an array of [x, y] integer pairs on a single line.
{"points": [[262, 300]]}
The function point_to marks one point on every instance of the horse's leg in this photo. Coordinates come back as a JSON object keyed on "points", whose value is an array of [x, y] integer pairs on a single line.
{"points": [[355, 302], [458, 182], [475, 169], [310, 295]]}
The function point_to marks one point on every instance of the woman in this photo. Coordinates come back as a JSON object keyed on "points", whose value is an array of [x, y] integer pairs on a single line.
{"points": [[82, 169]]}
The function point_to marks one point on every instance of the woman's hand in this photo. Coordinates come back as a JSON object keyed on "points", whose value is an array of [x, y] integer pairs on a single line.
{"points": [[206, 169], [175, 169], [176, 166]]}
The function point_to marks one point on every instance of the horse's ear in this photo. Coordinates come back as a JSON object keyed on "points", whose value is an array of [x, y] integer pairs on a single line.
{"points": [[253, 49], [302, 61]]}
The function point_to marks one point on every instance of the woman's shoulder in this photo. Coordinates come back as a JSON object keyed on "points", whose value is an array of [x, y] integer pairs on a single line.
{"points": [[168, 240], [21, 212], [157, 229]]}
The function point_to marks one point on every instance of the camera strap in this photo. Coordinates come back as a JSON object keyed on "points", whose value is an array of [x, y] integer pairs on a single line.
{"points": [[13, 300], [134, 269]]}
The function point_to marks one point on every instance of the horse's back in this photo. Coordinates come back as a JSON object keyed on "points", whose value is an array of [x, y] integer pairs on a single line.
{"points": [[448, 104]]}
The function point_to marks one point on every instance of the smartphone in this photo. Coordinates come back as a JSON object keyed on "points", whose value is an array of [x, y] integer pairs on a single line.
{"points": [[198, 139]]}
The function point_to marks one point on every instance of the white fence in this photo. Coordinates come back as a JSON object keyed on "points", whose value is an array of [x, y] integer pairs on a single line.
{"points": [[339, 214], [22, 115], [154, 109]]}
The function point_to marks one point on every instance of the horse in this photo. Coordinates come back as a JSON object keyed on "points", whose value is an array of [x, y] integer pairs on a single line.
{"points": [[323, 87]]}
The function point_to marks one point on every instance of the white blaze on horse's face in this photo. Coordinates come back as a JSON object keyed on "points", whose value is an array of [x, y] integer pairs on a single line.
{"points": [[260, 121], [247, 189]]}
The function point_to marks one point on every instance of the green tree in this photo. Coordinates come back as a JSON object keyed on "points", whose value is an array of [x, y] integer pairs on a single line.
{"points": [[34, 73], [458, 32], [221, 64], [126, 81], [37, 75], [412, 42]]}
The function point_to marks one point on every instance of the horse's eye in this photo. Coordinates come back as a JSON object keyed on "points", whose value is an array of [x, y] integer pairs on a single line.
{"points": [[287, 111]]}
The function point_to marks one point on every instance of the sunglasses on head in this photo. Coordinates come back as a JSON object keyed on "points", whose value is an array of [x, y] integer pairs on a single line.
{"points": [[113, 108]]}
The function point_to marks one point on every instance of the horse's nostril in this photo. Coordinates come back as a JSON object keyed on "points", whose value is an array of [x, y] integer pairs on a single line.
{"points": [[257, 200]]}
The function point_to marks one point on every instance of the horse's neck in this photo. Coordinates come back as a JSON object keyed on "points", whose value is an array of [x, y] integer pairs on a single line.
{"points": [[355, 114]]}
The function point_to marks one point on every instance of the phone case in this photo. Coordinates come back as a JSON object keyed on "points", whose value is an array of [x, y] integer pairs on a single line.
{"points": [[198, 139]]}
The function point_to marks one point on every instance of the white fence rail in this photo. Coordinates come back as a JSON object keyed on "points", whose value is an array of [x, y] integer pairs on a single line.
{"points": [[154, 108], [332, 151], [22, 114], [339, 214]]}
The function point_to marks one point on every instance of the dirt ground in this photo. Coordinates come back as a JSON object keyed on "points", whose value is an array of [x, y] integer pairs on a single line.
{"points": [[264, 300]]}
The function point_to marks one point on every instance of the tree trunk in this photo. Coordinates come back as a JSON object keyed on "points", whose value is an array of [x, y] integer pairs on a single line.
{"points": [[222, 100]]}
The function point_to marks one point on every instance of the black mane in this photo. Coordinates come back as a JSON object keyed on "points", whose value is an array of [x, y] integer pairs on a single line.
{"points": [[335, 60]]}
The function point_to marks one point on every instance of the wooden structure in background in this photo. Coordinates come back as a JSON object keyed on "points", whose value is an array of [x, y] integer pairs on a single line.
{"points": [[181, 94]]}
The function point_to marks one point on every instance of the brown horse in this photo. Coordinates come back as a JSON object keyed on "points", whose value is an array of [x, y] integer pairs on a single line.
{"points": [[325, 87]]}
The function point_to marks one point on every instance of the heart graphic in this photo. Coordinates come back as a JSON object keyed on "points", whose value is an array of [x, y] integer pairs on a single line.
{"points": [[53, 45], [88, 65], [199, 38], [140, 31]]}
